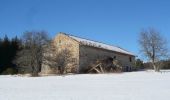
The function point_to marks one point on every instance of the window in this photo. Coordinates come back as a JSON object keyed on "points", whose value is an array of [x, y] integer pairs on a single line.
{"points": [[59, 41], [114, 57], [74, 59], [130, 59]]}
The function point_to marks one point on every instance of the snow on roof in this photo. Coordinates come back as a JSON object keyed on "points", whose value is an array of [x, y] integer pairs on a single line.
{"points": [[100, 45]]}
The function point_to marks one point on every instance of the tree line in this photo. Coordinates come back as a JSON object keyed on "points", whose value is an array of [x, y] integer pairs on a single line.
{"points": [[8, 50], [140, 65], [26, 54]]}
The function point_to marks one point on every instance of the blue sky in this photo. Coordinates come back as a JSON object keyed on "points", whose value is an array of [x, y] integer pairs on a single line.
{"points": [[116, 22]]}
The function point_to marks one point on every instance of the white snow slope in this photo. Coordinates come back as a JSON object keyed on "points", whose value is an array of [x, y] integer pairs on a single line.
{"points": [[126, 86]]}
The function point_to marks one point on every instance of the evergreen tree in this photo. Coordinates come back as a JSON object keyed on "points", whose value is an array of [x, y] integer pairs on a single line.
{"points": [[139, 64], [8, 49]]}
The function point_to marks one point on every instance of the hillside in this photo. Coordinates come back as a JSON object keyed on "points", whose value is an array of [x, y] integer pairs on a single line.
{"points": [[146, 85]]}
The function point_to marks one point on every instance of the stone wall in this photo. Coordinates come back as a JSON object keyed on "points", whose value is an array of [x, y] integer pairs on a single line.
{"points": [[63, 42], [89, 55]]}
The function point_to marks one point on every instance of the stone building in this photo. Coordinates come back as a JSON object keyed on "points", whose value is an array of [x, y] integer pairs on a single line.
{"points": [[84, 52]]}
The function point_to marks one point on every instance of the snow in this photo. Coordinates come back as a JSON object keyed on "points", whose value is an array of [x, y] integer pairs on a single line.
{"points": [[144, 85], [101, 45]]}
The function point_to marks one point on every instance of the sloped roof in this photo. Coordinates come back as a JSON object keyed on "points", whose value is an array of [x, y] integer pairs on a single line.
{"points": [[99, 45]]}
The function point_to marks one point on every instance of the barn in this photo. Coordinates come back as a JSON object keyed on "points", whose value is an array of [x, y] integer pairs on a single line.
{"points": [[85, 52]]}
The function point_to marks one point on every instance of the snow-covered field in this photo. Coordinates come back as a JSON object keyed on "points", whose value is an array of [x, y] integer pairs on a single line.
{"points": [[125, 86]]}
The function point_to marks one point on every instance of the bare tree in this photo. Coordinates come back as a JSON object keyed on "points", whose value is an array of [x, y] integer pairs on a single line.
{"points": [[50, 55], [56, 58], [31, 54], [154, 47]]}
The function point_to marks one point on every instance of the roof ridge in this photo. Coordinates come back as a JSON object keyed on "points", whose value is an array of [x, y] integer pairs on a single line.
{"points": [[99, 45], [91, 40]]}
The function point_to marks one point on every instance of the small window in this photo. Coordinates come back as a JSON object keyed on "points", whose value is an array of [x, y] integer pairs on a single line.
{"points": [[130, 59], [114, 57], [59, 41], [74, 59]]}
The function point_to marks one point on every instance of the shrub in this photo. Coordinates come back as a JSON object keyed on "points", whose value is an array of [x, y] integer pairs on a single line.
{"points": [[9, 71]]}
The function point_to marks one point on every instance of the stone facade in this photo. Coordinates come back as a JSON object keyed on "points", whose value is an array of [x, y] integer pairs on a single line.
{"points": [[83, 55], [88, 55], [63, 42]]}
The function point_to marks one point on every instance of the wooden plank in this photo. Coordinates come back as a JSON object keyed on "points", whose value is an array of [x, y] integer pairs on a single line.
{"points": [[94, 67], [101, 68]]}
